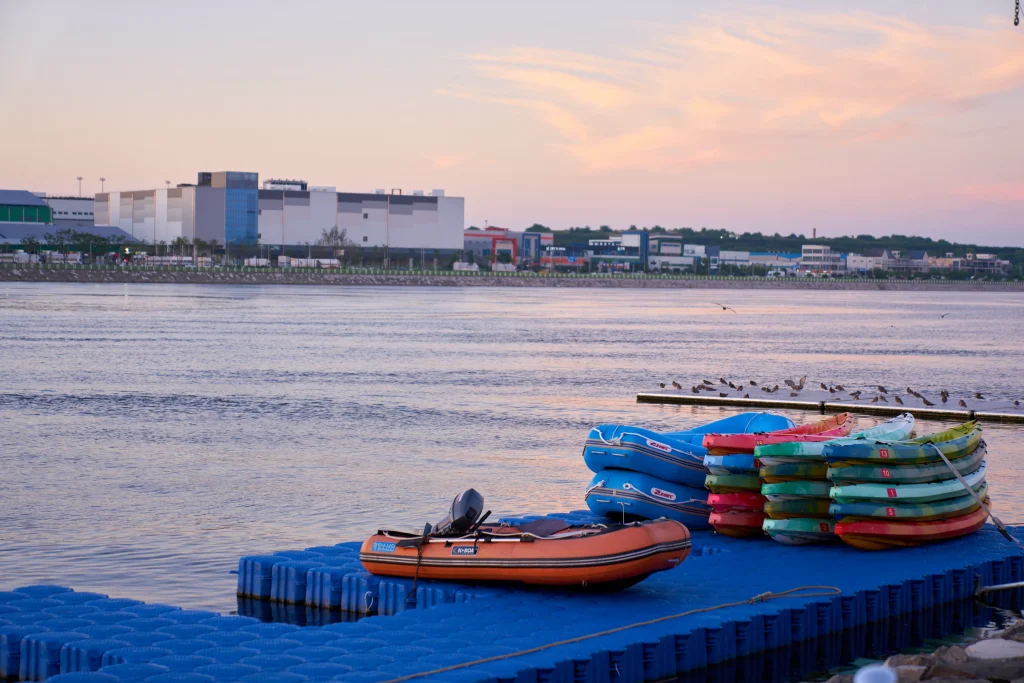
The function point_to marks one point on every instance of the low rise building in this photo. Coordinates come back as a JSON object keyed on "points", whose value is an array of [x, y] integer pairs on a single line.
{"points": [[774, 261], [22, 206], [817, 258], [72, 211]]}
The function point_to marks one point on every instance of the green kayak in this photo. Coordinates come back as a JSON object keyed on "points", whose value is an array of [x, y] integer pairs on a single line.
{"points": [[796, 489], [797, 507], [790, 471], [800, 531], [896, 429], [728, 483], [914, 512], [913, 473], [954, 443], [912, 493]]}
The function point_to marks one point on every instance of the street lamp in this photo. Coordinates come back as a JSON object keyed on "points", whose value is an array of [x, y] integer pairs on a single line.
{"points": [[79, 186], [102, 180]]}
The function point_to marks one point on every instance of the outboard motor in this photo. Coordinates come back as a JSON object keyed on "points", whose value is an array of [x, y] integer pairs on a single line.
{"points": [[465, 510]]}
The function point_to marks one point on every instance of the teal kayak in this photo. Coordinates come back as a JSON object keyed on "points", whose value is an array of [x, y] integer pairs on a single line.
{"points": [[917, 512], [789, 471], [912, 473], [797, 507], [800, 531], [740, 463], [796, 489], [724, 483], [912, 493]]}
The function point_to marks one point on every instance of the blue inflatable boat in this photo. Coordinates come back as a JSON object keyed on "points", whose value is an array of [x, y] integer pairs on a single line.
{"points": [[620, 494], [674, 456]]}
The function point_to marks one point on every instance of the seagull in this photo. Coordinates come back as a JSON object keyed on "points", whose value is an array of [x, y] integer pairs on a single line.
{"points": [[676, 385], [977, 394], [899, 400], [963, 404], [882, 389], [927, 402], [724, 307], [944, 315]]}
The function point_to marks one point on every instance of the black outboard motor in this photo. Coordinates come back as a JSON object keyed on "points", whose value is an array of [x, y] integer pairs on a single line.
{"points": [[465, 510]]}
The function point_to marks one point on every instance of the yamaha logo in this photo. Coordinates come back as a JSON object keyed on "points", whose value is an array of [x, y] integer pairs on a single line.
{"points": [[661, 493], [660, 446]]}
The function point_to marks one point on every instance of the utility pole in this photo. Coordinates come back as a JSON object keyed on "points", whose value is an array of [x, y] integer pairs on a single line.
{"points": [[102, 180], [79, 186]]}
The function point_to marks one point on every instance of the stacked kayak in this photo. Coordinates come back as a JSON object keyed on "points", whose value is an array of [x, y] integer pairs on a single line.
{"points": [[644, 474], [734, 476], [796, 486], [891, 493]]}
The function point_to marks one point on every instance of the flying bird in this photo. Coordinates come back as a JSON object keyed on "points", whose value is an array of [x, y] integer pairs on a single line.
{"points": [[724, 307], [944, 315]]}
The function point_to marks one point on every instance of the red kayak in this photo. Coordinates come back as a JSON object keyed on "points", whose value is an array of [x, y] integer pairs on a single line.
{"points": [[823, 430], [879, 534], [741, 500], [738, 523]]}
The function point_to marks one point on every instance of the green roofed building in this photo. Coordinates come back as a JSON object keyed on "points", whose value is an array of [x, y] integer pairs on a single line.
{"points": [[21, 206]]}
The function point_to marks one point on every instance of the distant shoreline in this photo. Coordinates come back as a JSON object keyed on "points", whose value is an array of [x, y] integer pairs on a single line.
{"points": [[10, 273]]}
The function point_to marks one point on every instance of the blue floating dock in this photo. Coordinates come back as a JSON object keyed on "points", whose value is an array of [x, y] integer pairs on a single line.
{"points": [[46, 631]]}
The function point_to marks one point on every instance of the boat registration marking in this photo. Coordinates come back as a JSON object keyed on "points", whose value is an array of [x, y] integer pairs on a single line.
{"points": [[464, 550], [662, 493], [383, 547]]}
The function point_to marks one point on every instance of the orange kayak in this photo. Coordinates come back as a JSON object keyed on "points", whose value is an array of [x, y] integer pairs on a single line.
{"points": [[823, 430], [878, 534], [542, 552]]}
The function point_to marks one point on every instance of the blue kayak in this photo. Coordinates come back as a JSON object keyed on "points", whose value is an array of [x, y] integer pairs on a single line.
{"points": [[739, 463], [620, 494], [677, 456]]}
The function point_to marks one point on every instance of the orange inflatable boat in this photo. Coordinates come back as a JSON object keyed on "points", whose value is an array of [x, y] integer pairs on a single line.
{"points": [[543, 552], [823, 430]]}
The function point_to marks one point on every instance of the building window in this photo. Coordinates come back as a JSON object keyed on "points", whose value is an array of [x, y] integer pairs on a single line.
{"points": [[365, 238], [366, 215]]}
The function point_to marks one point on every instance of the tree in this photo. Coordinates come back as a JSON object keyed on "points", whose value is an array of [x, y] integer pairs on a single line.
{"points": [[537, 227], [334, 238], [30, 243], [61, 239], [86, 241]]}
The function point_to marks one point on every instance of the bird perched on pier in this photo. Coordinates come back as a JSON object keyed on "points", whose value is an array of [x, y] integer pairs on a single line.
{"points": [[944, 397], [724, 307], [977, 394], [899, 400], [883, 399], [796, 386], [752, 383], [695, 390], [775, 388], [839, 387], [723, 394], [721, 380], [963, 404], [708, 382], [855, 395], [823, 386], [831, 390], [793, 393], [661, 384], [731, 385], [1016, 403], [909, 390], [746, 395], [676, 385], [927, 402], [882, 389], [874, 400]]}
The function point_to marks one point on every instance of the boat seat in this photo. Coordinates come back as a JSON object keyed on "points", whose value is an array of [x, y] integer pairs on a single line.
{"points": [[544, 527]]}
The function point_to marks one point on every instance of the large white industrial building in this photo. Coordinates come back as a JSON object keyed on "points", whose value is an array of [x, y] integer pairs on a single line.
{"points": [[228, 207]]}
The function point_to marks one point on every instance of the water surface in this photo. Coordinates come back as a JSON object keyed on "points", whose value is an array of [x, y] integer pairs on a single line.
{"points": [[152, 434]]}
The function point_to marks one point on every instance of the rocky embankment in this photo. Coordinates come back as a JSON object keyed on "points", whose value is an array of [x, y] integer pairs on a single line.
{"points": [[228, 277], [999, 659]]}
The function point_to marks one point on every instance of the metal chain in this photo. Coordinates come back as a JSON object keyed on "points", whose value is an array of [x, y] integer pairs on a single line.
{"points": [[1016, 13]]}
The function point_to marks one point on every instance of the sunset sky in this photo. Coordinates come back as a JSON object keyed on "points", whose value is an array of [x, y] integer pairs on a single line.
{"points": [[867, 117]]}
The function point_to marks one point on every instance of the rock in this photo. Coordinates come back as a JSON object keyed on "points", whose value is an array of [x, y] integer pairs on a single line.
{"points": [[953, 654], [996, 648], [909, 660], [910, 674], [951, 672]]}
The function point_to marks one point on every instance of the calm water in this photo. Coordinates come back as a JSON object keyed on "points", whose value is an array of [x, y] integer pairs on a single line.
{"points": [[152, 434]]}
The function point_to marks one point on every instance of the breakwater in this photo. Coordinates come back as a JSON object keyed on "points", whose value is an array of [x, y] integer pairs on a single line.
{"points": [[378, 278]]}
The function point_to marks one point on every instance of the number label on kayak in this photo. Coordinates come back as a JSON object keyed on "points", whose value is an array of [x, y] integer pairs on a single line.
{"points": [[464, 550], [883, 453], [890, 512], [824, 527], [891, 493], [382, 547], [662, 493], [660, 446], [886, 472]]}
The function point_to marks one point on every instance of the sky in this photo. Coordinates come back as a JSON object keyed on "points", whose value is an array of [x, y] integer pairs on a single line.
{"points": [[848, 118]]}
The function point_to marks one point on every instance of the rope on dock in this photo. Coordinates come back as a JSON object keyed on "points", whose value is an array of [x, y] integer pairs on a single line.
{"points": [[798, 592]]}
